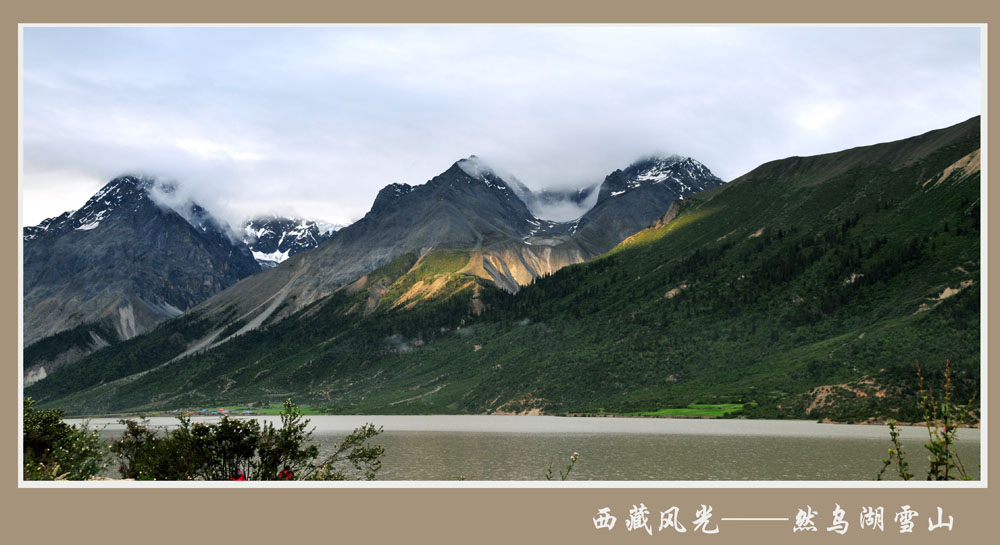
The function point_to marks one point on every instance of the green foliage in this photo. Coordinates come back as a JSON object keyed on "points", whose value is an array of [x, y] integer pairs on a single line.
{"points": [[441, 263], [55, 450], [704, 410], [271, 409], [943, 418], [237, 449], [895, 453], [394, 269], [563, 474], [143, 454], [79, 338], [364, 459], [123, 359], [807, 272], [232, 328]]}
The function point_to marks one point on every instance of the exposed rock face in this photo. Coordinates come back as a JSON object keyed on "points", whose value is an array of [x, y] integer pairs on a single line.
{"points": [[126, 261], [471, 208], [466, 207], [273, 239], [332, 354], [632, 199]]}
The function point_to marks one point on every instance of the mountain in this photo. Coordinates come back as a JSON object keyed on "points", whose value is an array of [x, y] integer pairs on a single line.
{"points": [[806, 288], [118, 266], [629, 198], [467, 208], [663, 177], [273, 239]]}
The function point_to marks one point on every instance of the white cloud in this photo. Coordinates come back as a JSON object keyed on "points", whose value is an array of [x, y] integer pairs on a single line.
{"points": [[818, 116], [315, 120], [215, 150]]}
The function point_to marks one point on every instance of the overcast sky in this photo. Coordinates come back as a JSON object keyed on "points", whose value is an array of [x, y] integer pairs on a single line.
{"points": [[313, 121]]}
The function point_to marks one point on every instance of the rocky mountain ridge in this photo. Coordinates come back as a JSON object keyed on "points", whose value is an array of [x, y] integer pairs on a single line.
{"points": [[123, 263], [273, 239], [806, 288], [468, 207]]}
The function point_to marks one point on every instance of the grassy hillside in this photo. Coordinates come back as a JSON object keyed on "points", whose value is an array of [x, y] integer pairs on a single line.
{"points": [[80, 338], [384, 313], [806, 288]]}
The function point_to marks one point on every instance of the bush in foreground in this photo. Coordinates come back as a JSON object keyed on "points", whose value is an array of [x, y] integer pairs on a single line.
{"points": [[243, 450], [943, 418], [54, 450]]}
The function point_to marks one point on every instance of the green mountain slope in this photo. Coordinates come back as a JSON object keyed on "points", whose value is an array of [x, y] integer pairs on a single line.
{"points": [[806, 288]]}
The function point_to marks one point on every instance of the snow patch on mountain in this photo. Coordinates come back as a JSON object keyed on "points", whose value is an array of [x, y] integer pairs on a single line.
{"points": [[273, 239], [682, 175], [276, 256], [326, 228]]}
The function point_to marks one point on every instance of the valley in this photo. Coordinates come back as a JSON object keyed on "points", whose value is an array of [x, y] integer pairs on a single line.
{"points": [[807, 288]]}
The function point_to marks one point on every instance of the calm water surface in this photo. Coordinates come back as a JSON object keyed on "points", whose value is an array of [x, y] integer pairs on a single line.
{"points": [[620, 449]]}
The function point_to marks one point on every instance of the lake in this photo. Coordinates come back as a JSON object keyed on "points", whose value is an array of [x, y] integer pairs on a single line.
{"points": [[489, 447]]}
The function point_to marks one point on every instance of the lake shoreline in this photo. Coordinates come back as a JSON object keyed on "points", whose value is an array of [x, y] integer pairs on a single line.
{"points": [[560, 425], [510, 447], [873, 421]]}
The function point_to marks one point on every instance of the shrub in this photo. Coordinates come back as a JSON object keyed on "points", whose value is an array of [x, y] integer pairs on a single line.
{"points": [[943, 418], [563, 475], [243, 450], [54, 450]]}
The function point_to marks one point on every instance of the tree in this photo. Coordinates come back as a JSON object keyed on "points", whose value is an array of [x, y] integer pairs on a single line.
{"points": [[243, 450], [54, 450]]}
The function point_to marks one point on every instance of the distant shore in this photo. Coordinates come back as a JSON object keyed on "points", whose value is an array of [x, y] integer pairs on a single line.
{"points": [[873, 421]]}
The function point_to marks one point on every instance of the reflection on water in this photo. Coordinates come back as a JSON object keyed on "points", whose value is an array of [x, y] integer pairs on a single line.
{"points": [[613, 449]]}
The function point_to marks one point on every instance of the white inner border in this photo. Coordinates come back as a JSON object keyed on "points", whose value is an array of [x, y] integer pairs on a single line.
{"points": [[984, 298]]}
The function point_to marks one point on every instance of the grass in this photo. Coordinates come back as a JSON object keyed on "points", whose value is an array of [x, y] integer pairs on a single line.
{"points": [[764, 318], [446, 262], [649, 236], [700, 410], [271, 408], [236, 410]]}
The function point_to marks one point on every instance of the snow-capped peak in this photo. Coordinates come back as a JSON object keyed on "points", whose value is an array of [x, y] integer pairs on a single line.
{"points": [[669, 168], [273, 239], [128, 192], [680, 174], [33, 232], [661, 161], [110, 197]]}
